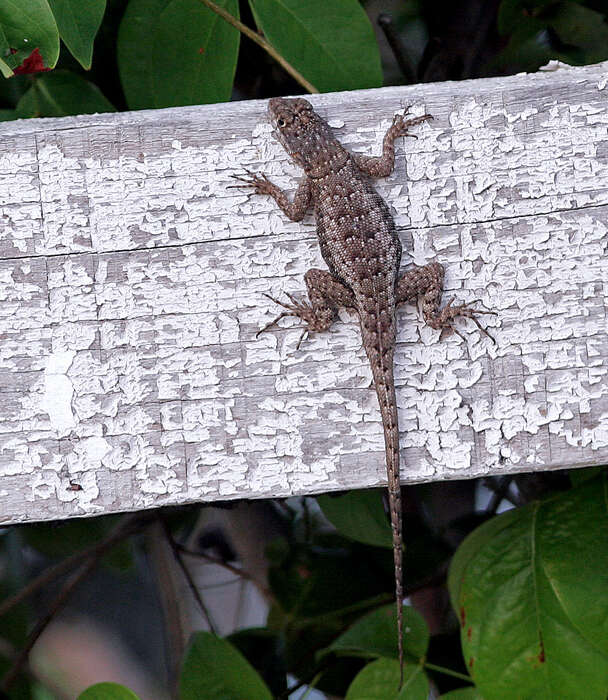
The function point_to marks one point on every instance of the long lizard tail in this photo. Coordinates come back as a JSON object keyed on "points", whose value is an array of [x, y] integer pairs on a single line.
{"points": [[381, 361]]}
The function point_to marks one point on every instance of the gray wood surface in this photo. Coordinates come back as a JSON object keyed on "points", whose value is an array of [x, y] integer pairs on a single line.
{"points": [[131, 281]]}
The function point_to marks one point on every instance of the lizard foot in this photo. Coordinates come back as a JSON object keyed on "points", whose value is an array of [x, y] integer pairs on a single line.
{"points": [[315, 321], [400, 126], [260, 183], [445, 318]]}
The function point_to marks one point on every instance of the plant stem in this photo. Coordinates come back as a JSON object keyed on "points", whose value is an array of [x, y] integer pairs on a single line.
{"points": [[447, 672], [260, 41]]}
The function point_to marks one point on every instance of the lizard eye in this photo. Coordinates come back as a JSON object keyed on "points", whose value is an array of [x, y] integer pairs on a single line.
{"points": [[281, 122]]}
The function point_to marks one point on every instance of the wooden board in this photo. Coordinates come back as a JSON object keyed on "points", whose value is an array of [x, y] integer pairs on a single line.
{"points": [[132, 280]]}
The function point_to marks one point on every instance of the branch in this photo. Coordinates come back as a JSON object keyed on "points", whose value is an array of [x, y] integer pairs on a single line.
{"points": [[65, 565], [61, 598], [191, 584], [260, 41], [241, 573]]}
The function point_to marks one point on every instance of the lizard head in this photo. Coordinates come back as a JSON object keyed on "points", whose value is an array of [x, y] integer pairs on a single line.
{"points": [[306, 137]]}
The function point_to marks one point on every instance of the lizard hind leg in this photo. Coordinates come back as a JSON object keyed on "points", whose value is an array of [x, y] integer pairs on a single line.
{"points": [[325, 295], [427, 282]]}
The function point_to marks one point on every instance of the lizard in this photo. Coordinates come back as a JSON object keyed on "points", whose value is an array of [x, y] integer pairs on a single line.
{"points": [[362, 250]]}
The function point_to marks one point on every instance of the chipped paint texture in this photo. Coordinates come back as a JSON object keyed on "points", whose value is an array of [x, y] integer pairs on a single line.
{"points": [[132, 280]]}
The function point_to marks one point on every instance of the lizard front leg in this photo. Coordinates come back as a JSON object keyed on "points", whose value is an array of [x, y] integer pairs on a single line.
{"points": [[325, 294], [381, 166], [294, 210], [427, 282]]}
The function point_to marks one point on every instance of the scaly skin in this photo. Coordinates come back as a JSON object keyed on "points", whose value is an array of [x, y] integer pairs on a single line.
{"points": [[362, 250]]}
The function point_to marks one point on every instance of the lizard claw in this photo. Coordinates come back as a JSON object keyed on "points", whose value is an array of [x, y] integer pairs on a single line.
{"points": [[290, 310], [300, 309], [260, 183], [446, 316], [401, 125]]}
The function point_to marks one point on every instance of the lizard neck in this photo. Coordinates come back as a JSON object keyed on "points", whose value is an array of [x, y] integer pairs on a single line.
{"points": [[334, 159]]}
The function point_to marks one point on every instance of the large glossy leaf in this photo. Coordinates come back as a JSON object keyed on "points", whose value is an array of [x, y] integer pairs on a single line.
{"points": [[78, 23], [359, 515], [107, 691], [531, 591], [62, 93], [380, 681], [331, 42], [176, 53], [29, 39], [375, 634], [213, 669], [134, 51]]}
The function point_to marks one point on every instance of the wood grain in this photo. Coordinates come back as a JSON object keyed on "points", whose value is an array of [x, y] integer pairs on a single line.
{"points": [[132, 280]]}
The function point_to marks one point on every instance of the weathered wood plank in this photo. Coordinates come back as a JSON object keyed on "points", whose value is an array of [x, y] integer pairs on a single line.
{"points": [[131, 280]]}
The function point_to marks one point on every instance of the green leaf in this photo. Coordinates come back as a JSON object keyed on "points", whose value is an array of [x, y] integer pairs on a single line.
{"points": [[27, 33], [359, 515], [213, 669], [470, 693], [134, 51], [514, 14], [375, 634], [380, 681], [176, 53], [61, 93], [107, 691], [582, 27], [265, 651], [530, 588], [7, 115], [331, 43], [78, 23]]}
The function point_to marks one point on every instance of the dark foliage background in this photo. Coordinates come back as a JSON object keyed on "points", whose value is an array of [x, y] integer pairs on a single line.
{"points": [[518, 610]]}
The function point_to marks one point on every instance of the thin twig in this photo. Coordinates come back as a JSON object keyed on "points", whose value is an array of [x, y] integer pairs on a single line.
{"points": [[260, 41], [311, 679], [241, 573], [60, 600], [193, 588], [447, 671], [65, 565]]}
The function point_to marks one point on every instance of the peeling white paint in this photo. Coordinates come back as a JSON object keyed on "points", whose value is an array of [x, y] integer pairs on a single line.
{"points": [[58, 392], [131, 289]]}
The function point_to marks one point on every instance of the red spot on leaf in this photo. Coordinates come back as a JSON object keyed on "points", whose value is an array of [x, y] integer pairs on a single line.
{"points": [[469, 632], [463, 616], [32, 64], [541, 655], [471, 662], [201, 50]]}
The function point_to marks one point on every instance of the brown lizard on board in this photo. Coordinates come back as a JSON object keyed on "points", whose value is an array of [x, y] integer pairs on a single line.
{"points": [[362, 250]]}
